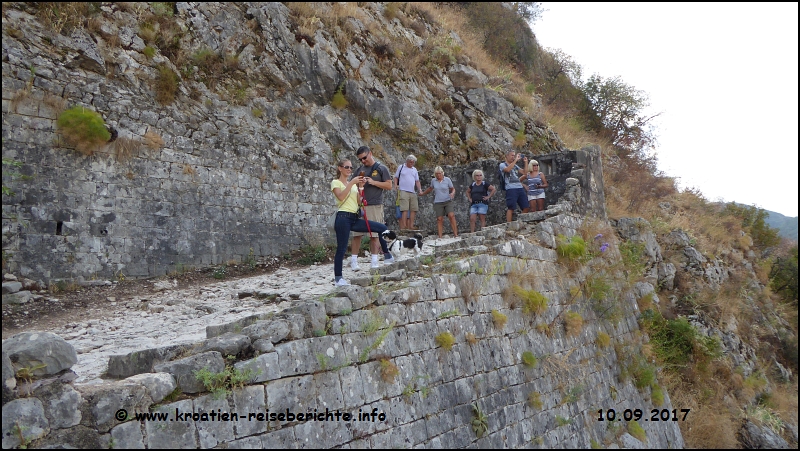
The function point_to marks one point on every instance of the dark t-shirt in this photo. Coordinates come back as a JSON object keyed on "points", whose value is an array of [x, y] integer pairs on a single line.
{"points": [[379, 173], [478, 191]]}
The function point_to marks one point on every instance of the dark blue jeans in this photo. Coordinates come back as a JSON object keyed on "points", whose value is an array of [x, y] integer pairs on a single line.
{"points": [[350, 222]]}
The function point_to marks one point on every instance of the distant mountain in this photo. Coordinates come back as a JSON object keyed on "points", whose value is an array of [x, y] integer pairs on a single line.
{"points": [[787, 227]]}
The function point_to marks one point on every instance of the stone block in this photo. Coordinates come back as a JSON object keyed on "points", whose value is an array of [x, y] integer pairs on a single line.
{"points": [[314, 314], [11, 287], [263, 368], [62, 404], [128, 435], [249, 400], [158, 385], [226, 344], [24, 417], [144, 361], [293, 393], [177, 434], [41, 353], [102, 401], [20, 297], [338, 306], [183, 370]]}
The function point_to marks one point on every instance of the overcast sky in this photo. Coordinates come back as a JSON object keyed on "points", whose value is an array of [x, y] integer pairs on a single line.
{"points": [[723, 74]]}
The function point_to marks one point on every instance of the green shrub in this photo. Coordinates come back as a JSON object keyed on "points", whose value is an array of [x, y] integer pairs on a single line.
{"points": [[598, 287], [676, 342], [149, 52], [446, 340], [313, 254], [574, 323], [603, 340], [632, 258], [529, 360], [535, 400], [657, 396], [166, 85], [83, 128], [573, 248], [338, 101], [480, 424], [643, 375], [635, 430], [499, 319], [532, 301]]}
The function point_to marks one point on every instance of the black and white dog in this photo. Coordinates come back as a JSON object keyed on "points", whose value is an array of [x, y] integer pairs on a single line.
{"points": [[400, 247]]}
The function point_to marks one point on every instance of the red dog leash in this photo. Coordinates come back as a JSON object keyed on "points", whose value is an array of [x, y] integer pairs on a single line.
{"points": [[364, 209]]}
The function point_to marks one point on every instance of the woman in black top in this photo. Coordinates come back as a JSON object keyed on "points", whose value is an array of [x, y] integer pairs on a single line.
{"points": [[478, 193]]}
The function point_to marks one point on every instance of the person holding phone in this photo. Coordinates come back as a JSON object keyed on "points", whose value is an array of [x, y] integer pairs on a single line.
{"points": [[515, 192], [347, 220], [377, 179], [536, 183]]}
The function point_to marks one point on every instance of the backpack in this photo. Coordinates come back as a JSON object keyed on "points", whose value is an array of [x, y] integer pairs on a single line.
{"points": [[501, 179]]}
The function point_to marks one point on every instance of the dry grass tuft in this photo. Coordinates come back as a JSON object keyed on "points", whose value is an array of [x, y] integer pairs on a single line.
{"points": [[573, 321], [125, 148], [166, 85], [153, 140], [471, 338], [388, 370], [603, 340]]}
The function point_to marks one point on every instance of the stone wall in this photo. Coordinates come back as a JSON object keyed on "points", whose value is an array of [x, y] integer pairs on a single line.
{"points": [[210, 177], [335, 353]]}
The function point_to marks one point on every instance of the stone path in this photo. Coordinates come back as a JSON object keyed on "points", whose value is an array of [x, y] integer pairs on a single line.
{"points": [[181, 316]]}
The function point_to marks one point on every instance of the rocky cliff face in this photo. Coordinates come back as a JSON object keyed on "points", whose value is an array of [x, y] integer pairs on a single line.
{"points": [[224, 133]]}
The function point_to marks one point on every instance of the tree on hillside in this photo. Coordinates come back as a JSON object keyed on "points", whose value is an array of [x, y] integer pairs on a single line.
{"points": [[530, 11], [754, 220], [560, 77], [783, 275], [616, 109]]}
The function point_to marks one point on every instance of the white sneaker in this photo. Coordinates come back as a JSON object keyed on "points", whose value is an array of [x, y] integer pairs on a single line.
{"points": [[388, 261], [354, 265], [375, 264], [342, 283]]}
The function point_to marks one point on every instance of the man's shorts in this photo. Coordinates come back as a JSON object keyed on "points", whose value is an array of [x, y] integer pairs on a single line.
{"points": [[517, 196], [540, 196], [478, 209], [408, 201], [374, 213], [443, 208]]}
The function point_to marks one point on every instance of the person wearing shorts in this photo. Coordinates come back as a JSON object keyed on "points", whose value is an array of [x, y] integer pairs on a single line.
{"points": [[478, 193], [444, 192], [536, 182], [406, 179], [515, 192], [377, 180]]}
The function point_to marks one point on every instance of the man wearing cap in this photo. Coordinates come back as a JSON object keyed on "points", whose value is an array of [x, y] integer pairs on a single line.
{"points": [[406, 179]]}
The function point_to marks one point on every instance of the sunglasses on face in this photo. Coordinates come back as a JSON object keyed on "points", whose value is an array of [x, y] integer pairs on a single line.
{"points": [[363, 158], [347, 167]]}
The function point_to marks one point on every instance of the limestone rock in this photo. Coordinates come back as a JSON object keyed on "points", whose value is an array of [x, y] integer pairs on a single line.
{"points": [[41, 353], [183, 370], [466, 77], [24, 417], [754, 436]]}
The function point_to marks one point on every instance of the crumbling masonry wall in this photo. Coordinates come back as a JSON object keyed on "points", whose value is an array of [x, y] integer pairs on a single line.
{"points": [[327, 354]]}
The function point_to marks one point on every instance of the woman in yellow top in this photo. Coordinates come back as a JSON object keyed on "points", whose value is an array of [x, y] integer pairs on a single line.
{"points": [[347, 219]]}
